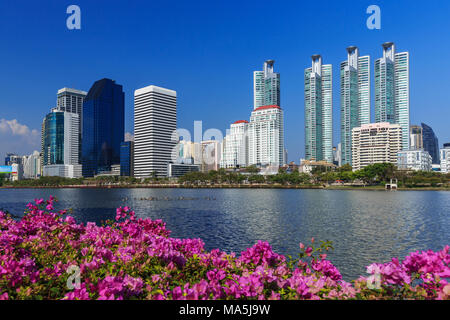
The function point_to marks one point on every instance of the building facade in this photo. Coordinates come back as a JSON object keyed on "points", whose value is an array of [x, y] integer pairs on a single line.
{"points": [[355, 98], [416, 137], [430, 142], [392, 90], [70, 100], [155, 124], [375, 143], [102, 127], [266, 137], [127, 158], [319, 111], [417, 160], [235, 146], [266, 86], [445, 159]]}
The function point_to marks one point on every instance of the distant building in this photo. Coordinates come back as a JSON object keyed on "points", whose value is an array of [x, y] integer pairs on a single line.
{"points": [[60, 145], [375, 143], [176, 170], [392, 90], [445, 159], [235, 146], [266, 86], [103, 127], [416, 137], [32, 165], [155, 124], [211, 155], [127, 159], [430, 142], [319, 110], [417, 160], [307, 166], [266, 137]]}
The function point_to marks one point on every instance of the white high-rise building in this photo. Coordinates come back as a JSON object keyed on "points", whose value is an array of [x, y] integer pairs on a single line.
{"points": [[211, 155], [32, 165], [375, 143], [155, 123], [266, 86], [417, 160], [235, 146], [319, 111], [355, 98], [392, 89], [266, 137], [70, 100]]}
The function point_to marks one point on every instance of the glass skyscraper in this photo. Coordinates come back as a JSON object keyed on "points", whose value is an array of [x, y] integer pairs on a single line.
{"points": [[318, 111], [355, 98], [392, 89], [103, 127], [430, 143], [266, 86]]}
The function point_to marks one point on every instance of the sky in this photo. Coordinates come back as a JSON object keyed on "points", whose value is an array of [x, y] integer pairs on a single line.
{"points": [[207, 52]]}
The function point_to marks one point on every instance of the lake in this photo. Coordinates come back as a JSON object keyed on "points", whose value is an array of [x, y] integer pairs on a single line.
{"points": [[365, 226]]}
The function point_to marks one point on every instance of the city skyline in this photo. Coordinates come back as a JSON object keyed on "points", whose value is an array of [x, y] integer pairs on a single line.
{"points": [[235, 100]]}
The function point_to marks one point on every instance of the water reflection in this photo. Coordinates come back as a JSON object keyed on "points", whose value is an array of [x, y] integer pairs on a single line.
{"points": [[365, 226]]}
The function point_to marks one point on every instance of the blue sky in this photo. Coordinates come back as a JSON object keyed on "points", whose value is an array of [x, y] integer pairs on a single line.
{"points": [[207, 52]]}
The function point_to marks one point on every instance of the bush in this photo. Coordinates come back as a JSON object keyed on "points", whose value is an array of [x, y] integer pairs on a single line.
{"points": [[44, 254]]}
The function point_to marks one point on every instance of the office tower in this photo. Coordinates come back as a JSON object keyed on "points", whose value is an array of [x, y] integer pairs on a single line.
{"points": [[430, 142], [392, 89], [318, 111], [445, 158], [266, 137], [417, 160], [266, 86], [127, 158], [416, 137], [211, 155], [11, 158], [355, 98], [375, 143], [155, 122], [60, 144], [235, 146], [70, 100], [103, 127]]}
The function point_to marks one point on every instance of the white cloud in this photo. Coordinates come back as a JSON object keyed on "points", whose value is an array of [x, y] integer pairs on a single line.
{"points": [[18, 138]]}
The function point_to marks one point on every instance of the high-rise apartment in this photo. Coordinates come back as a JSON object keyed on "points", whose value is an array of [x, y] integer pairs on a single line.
{"points": [[266, 137], [235, 146], [355, 98], [70, 100], [445, 158], [375, 143], [392, 89], [318, 111], [266, 86], [155, 123], [103, 127]]}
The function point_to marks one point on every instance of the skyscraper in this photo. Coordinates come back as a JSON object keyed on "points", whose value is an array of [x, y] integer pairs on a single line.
{"points": [[430, 142], [70, 100], [266, 137], [127, 158], [416, 137], [355, 98], [266, 86], [103, 127], [318, 111], [155, 121], [392, 89]]}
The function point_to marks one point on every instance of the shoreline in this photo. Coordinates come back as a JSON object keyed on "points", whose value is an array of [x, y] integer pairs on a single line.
{"points": [[241, 186]]}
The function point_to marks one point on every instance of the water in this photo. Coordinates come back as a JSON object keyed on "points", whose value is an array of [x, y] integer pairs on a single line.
{"points": [[365, 226]]}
